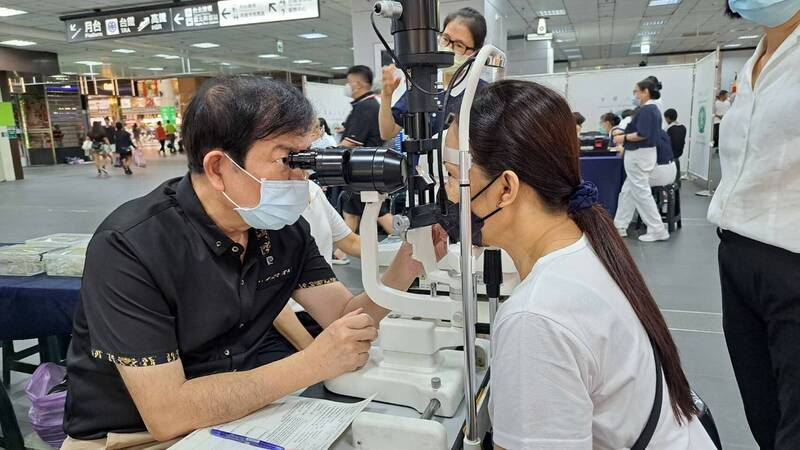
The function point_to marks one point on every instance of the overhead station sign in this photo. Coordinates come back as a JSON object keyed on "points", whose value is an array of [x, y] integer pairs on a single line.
{"points": [[247, 12], [155, 20], [170, 19]]}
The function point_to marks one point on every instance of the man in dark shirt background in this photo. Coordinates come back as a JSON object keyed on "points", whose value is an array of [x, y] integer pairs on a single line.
{"points": [[108, 126], [361, 129], [677, 137], [181, 287]]}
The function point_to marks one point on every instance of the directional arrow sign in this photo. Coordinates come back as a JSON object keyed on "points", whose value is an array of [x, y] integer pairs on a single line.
{"points": [[178, 19], [246, 12]]}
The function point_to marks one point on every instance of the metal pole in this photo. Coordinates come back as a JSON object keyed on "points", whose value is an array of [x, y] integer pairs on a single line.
{"points": [[431, 409], [471, 438], [708, 191], [468, 297]]}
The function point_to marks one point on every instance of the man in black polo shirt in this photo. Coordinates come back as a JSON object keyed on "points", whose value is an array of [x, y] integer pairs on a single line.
{"points": [[181, 286], [361, 129]]}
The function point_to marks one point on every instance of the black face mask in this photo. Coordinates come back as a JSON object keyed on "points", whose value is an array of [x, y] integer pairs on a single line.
{"points": [[450, 222]]}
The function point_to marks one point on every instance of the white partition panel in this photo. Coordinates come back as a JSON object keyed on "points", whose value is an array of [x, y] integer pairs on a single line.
{"points": [[555, 81], [701, 128], [594, 93], [329, 101]]}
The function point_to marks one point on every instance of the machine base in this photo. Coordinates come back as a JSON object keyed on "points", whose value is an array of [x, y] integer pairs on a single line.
{"points": [[407, 386], [372, 431]]}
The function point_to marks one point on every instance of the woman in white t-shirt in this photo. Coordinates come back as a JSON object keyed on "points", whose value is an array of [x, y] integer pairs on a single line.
{"points": [[572, 364]]}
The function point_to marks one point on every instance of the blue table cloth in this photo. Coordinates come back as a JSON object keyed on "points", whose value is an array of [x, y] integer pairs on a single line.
{"points": [[608, 173], [37, 306]]}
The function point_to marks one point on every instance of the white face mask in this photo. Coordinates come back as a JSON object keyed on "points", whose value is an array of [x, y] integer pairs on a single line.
{"points": [[348, 90], [281, 203], [458, 60]]}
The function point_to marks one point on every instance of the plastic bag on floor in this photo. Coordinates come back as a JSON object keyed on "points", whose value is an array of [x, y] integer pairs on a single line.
{"points": [[47, 408], [138, 158]]}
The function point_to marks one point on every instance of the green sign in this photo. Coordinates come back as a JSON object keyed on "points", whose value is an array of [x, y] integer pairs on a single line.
{"points": [[280, 47], [168, 114], [12, 133], [6, 115], [701, 120]]}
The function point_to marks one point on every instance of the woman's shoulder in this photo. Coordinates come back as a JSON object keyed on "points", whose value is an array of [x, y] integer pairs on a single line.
{"points": [[573, 288]]}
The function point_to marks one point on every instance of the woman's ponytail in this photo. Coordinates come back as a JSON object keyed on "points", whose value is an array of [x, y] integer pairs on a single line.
{"points": [[599, 229]]}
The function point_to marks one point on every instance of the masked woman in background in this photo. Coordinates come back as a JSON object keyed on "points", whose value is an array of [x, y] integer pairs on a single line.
{"points": [[463, 34], [574, 347]]}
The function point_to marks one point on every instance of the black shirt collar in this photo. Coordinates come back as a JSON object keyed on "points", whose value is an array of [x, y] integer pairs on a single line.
{"points": [[218, 241], [368, 94]]}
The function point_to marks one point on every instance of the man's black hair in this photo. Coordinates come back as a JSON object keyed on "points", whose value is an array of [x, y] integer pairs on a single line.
{"points": [[626, 113], [579, 119], [474, 21], [611, 118], [119, 125], [233, 112], [722, 93], [362, 71], [671, 114]]}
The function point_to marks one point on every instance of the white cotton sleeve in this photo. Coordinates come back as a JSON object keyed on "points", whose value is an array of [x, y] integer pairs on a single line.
{"points": [[541, 378], [339, 229]]}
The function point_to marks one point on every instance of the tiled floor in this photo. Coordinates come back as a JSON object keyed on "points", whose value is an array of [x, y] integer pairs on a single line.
{"points": [[682, 273]]}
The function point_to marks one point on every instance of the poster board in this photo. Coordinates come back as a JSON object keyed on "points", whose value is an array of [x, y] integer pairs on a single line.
{"points": [[702, 123], [594, 93], [329, 101], [7, 115], [555, 81]]}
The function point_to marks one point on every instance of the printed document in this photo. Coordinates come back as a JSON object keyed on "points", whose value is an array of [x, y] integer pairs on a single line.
{"points": [[295, 423]]}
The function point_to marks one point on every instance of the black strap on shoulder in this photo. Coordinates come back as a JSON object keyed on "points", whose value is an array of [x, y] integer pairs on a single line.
{"points": [[655, 412]]}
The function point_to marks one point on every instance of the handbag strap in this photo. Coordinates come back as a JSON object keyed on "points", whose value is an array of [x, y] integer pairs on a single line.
{"points": [[655, 412]]}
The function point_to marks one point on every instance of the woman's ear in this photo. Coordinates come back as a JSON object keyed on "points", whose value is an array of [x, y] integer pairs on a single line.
{"points": [[213, 163], [510, 183]]}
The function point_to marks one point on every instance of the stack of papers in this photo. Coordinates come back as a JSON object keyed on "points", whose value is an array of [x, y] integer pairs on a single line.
{"points": [[295, 423]]}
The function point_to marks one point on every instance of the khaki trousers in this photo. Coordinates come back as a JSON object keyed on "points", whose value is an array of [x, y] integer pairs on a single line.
{"points": [[116, 441]]}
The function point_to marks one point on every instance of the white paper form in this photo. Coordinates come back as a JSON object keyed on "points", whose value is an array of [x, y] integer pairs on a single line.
{"points": [[295, 423]]}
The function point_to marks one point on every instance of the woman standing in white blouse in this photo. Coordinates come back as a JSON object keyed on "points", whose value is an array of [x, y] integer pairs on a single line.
{"points": [[757, 209]]}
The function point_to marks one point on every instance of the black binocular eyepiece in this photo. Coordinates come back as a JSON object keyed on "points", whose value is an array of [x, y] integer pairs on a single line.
{"points": [[357, 169]]}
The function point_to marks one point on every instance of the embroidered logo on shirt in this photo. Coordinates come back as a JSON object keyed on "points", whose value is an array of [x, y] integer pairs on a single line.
{"points": [[129, 361], [275, 276]]}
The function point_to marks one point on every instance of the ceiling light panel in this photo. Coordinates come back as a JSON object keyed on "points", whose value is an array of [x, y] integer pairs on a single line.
{"points": [[551, 12], [663, 2], [123, 50], [8, 12], [312, 35], [654, 22], [302, 61], [270, 56], [751, 36], [205, 45], [89, 63], [18, 43]]}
